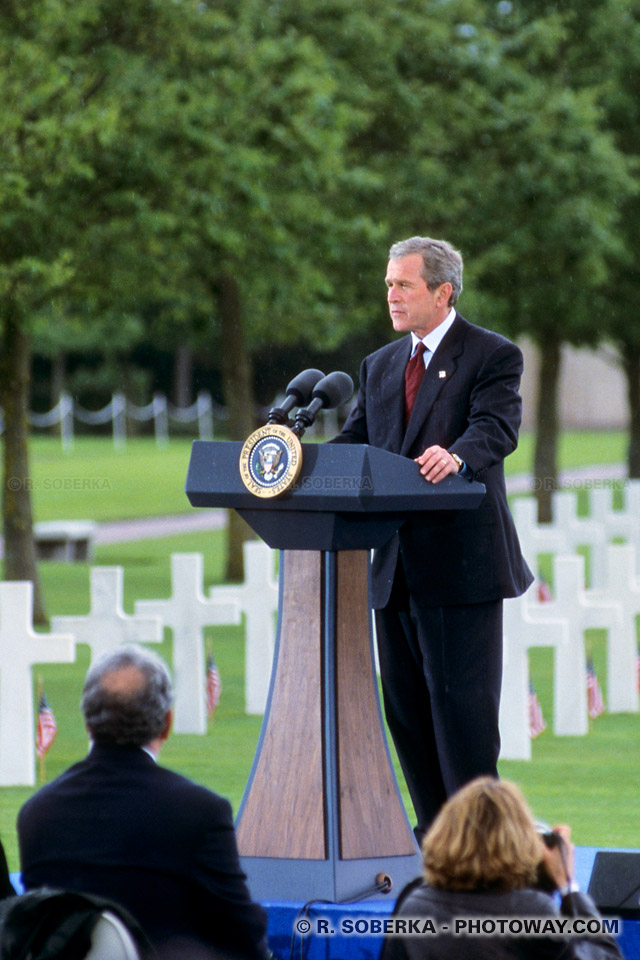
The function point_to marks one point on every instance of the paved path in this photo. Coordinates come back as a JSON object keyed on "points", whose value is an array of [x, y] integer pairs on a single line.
{"points": [[149, 528], [153, 527]]}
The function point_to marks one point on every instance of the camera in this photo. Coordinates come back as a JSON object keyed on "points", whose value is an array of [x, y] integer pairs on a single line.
{"points": [[548, 837]]}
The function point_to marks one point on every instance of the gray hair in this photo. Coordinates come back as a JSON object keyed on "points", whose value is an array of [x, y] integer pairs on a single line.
{"points": [[127, 718], [442, 263]]}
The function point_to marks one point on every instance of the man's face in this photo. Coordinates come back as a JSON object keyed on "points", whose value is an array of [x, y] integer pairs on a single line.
{"points": [[412, 305]]}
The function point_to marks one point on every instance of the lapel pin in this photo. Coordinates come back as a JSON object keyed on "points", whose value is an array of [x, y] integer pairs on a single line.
{"points": [[442, 374]]}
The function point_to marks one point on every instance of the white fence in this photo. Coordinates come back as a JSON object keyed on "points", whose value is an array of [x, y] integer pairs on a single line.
{"points": [[66, 412], [201, 414]]}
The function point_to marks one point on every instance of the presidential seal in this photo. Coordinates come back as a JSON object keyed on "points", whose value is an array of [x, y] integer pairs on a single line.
{"points": [[270, 460]]}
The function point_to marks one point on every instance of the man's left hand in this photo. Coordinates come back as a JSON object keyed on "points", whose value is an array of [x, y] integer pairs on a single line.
{"points": [[436, 463]]}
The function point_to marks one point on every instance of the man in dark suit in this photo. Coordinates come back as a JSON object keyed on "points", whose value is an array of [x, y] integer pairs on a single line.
{"points": [[447, 396], [120, 826]]}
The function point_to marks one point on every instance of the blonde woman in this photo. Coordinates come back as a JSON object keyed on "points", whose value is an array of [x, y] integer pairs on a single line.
{"points": [[489, 880]]}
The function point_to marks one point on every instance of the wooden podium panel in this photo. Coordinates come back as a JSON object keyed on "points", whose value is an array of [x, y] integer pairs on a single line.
{"points": [[286, 790], [371, 825]]}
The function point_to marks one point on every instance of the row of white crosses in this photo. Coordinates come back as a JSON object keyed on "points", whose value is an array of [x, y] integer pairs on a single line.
{"points": [[568, 531], [613, 603], [186, 612]]}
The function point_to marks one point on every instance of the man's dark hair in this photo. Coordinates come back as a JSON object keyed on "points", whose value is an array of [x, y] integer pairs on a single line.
{"points": [[131, 715]]}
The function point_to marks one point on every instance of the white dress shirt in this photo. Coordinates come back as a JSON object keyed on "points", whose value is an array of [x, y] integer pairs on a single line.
{"points": [[432, 339]]}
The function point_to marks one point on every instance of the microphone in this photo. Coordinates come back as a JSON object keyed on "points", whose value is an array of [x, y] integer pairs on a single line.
{"points": [[332, 391], [298, 394]]}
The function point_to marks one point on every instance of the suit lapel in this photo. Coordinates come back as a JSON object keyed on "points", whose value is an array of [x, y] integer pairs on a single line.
{"points": [[440, 370], [391, 396]]}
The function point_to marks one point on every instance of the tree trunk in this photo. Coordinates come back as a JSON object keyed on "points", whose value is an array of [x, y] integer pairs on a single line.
{"points": [[631, 360], [183, 377], [237, 386], [19, 549], [546, 452]]}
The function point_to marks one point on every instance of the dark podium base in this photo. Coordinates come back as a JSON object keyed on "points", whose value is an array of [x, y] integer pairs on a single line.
{"points": [[329, 881]]}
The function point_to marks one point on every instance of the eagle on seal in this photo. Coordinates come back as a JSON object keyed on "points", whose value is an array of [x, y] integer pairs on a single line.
{"points": [[270, 455]]}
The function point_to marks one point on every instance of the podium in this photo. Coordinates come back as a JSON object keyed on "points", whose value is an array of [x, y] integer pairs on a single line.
{"points": [[321, 816]]}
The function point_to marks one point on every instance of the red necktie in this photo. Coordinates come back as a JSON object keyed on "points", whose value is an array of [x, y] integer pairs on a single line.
{"points": [[413, 375]]}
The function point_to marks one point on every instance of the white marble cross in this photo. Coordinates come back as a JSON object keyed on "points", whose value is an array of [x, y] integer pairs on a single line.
{"points": [[632, 507], [580, 531], [521, 632], [572, 603], [623, 523], [106, 626], [622, 587], [186, 612], [536, 538], [258, 598], [20, 648]]}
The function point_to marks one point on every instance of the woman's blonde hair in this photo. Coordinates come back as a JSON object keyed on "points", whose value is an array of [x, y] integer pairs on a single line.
{"points": [[484, 838]]}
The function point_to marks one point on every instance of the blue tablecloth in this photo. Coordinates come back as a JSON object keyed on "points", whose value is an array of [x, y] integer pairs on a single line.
{"points": [[329, 931], [324, 941]]}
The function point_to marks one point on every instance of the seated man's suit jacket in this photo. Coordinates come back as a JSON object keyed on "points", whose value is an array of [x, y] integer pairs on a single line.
{"points": [[119, 826], [468, 403], [6, 890]]}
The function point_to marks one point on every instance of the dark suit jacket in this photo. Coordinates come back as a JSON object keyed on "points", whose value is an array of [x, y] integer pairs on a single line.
{"points": [[6, 890], [443, 906], [468, 402], [119, 826]]}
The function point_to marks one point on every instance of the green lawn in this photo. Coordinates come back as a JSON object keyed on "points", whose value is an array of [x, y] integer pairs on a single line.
{"points": [[96, 481], [591, 782]]}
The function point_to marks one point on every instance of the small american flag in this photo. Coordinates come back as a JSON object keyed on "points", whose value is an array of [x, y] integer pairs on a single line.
{"points": [[47, 727], [544, 591], [595, 701], [213, 686], [536, 720]]}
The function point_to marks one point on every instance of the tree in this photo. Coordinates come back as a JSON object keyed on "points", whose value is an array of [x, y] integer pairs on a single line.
{"points": [[35, 259], [170, 156], [614, 58], [253, 179], [74, 229], [554, 174]]}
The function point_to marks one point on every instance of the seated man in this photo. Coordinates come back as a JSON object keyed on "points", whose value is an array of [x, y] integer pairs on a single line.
{"points": [[119, 826]]}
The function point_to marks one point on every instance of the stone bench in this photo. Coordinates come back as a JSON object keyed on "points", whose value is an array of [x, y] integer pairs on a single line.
{"points": [[66, 540]]}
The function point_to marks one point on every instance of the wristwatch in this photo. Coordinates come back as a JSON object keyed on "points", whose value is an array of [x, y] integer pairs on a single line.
{"points": [[571, 887], [459, 462]]}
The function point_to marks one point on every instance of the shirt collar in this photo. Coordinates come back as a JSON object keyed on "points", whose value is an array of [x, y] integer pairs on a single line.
{"points": [[433, 339], [146, 750]]}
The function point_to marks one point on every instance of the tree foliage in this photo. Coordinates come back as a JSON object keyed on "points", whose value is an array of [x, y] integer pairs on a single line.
{"points": [[228, 176]]}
